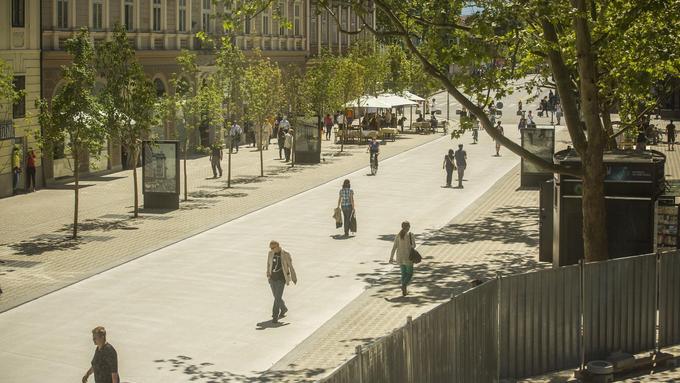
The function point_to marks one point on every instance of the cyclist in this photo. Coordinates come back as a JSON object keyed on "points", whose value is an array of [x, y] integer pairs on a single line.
{"points": [[374, 149]]}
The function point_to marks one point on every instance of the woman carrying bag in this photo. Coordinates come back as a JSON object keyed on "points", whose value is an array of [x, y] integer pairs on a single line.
{"points": [[404, 247]]}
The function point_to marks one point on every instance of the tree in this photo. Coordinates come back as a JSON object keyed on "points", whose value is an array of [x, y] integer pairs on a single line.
{"points": [[263, 92], [73, 116], [231, 64], [350, 85], [320, 87], [194, 102], [128, 98]]}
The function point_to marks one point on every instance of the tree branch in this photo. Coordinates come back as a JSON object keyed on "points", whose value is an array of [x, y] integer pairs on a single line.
{"points": [[472, 107]]}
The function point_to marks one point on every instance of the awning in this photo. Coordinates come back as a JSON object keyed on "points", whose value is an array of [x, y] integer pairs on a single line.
{"points": [[396, 100], [368, 102], [412, 96]]}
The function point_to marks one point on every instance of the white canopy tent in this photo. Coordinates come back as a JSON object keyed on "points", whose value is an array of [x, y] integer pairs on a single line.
{"points": [[412, 96], [368, 102], [396, 100]]}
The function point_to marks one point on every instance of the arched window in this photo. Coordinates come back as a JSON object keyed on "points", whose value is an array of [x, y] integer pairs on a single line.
{"points": [[159, 86]]}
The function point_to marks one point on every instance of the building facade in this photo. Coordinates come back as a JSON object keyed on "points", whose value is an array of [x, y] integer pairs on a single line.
{"points": [[160, 29], [20, 48]]}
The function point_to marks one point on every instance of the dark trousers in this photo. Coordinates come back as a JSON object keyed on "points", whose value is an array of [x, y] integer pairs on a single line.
{"points": [[347, 216], [277, 289], [461, 172], [449, 175], [280, 148], [216, 167], [30, 178], [328, 132], [287, 152], [234, 144]]}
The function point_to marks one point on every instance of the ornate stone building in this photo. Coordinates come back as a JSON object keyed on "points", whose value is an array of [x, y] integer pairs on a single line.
{"points": [[159, 29], [20, 48]]}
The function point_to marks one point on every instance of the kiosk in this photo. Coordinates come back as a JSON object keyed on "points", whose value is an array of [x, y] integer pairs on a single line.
{"points": [[307, 144], [633, 184], [160, 174]]}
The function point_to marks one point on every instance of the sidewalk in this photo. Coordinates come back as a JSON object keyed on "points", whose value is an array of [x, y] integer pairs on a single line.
{"points": [[37, 256]]}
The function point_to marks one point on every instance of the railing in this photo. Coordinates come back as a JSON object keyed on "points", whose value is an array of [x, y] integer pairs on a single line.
{"points": [[530, 324]]}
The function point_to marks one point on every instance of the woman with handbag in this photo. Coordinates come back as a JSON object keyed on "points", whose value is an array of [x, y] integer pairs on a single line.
{"points": [[404, 246]]}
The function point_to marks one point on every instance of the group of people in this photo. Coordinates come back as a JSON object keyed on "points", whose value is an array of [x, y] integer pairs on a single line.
{"points": [[17, 169]]}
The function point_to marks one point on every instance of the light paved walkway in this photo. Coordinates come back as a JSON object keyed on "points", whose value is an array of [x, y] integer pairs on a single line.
{"points": [[37, 257], [203, 297]]}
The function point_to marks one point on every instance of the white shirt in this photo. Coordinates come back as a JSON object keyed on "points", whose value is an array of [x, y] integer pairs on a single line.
{"points": [[340, 119]]}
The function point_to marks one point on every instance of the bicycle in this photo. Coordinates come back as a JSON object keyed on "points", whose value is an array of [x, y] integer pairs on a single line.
{"points": [[374, 163]]}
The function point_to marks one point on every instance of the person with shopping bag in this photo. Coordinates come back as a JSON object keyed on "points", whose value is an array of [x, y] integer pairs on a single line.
{"points": [[346, 204], [404, 247]]}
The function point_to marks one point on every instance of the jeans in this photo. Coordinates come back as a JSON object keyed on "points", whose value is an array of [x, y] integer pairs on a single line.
{"points": [[346, 217], [30, 178], [406, 274], [280, 148], [277, 289], [449, 175], [328, 132], [287, 152], [234, 143], [216, 167], [461, 171]]}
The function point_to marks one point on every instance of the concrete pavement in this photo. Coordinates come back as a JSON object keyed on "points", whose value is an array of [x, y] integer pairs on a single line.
{"points": [[206, 298]]}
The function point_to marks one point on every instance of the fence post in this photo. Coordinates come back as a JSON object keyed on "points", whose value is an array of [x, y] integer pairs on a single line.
{"points": [[582, 313], [657, 313], [409, 349], [361, 364], [498, 327]]}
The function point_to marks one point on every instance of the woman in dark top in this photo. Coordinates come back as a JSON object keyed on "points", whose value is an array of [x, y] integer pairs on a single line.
{"points": [[449, 166], [105, 360]]}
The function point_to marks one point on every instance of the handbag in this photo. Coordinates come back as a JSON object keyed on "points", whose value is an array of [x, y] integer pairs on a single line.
{"points": [[337, 216], [353, 223], [414, 256]]}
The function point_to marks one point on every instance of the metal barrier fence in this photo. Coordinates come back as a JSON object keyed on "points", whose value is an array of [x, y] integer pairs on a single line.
{"points": [[530, 324]]}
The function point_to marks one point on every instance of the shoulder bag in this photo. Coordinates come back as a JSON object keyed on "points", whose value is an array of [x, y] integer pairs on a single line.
{"points": [[414, 256]]}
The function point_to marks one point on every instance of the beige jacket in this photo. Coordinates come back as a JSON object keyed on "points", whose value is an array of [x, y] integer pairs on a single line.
{"points": [[286, 265], [403, 248]]}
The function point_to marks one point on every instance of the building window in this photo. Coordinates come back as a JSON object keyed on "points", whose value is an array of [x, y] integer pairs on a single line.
{"points": [[282, 15], [182, 16], [156, 15], [97, 14], [206, 15], [160, 87], [19, 107], [247, 26], [265, 23], [296, 20], [129, 15], [18, 11], [62, 13]]}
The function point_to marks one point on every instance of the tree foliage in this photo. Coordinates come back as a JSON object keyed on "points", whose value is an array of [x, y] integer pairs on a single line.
{"points": [[74, 113]]}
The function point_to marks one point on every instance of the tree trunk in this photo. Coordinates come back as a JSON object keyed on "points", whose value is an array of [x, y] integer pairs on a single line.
{"points": [[76, 173], [134, 180], [608, 126], [186, 194], [595, 242], [229, 162], [259, 146]]}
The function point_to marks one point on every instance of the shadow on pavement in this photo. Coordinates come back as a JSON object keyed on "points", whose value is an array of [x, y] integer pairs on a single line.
{"points": [[270, 324], [43, 244], [205, 373]]}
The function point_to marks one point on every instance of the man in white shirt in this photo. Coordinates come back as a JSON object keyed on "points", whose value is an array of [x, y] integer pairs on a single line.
{"points": [[235, 136]]}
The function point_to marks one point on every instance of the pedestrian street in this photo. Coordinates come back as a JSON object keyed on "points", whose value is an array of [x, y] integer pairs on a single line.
{"points": [[207, 298]]}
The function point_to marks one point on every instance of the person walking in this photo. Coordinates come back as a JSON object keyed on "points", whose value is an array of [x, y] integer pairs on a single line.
{"points": [[328, 125], [519, 106], [16, 167], [235, 134], [216, 158], [341, 120], [670, 135], [30, 171], [288, 143], [104, 364], [449, 166], [346, 204], [498, 144], [280, 273], [403, 243], [530, 121], [281, 139], [522, 124], [461, 163], [266, 133], [558, 112]]}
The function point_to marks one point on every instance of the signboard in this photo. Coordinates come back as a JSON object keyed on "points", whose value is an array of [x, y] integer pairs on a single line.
{"points": [[160, 174]]}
